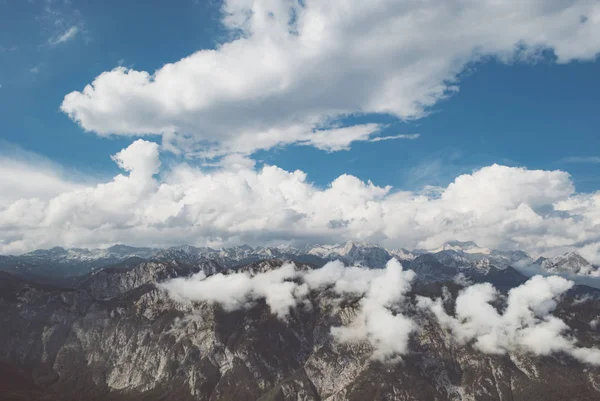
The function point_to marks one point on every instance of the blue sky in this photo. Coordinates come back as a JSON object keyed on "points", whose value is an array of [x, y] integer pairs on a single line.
{"points": [[306, 86], [533, 115], [32, 99]]}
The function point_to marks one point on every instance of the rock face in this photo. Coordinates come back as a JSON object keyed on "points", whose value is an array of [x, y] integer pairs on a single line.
{"points": [[570, 262], [119, 279], [117, 336]]}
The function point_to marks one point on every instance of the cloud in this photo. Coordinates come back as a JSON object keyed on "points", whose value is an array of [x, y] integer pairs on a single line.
{"points": [[26, 175], [294, 68], [581, 159], [499, 207], [525, 325], [336, 139], [61, 22], [238, 290], [381, 292], [401, 136], [379, 321], [34, 70], [9, 49], [141, 158], [66, 36]]}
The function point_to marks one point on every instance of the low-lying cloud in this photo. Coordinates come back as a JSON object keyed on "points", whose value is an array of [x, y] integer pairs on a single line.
{"points": [[238, 290], [526, 324], [381, 292], [379, 319]]}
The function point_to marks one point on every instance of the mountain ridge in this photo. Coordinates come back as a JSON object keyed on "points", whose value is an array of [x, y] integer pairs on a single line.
{"points": [[65, 265]]}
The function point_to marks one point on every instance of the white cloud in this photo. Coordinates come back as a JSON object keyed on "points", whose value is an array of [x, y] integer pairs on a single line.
{"points": [[139, 159], [238, 290], [381, 292], [27, 175], [379, 321], [525, 325], [499, 207], [66, 36], [297, 66], [60, 21], [335, 139], [400, 136]]}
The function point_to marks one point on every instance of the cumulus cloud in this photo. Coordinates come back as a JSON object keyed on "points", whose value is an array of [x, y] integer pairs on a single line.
{"points": [[295, 67], [381, 291], [525, 325], [231, 203], [238, 290], [379, 320]]}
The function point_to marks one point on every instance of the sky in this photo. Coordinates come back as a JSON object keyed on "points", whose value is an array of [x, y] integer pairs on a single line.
{"points": [[272, 121]]}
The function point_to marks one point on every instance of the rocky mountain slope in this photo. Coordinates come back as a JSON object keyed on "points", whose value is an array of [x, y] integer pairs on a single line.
{"points": [[118, 335]]}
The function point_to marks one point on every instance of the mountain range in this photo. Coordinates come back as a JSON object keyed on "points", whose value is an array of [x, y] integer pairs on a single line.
{"points": [[60, 265], [121, 332]]}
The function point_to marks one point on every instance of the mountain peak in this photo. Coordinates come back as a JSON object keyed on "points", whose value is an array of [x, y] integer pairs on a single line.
{"points": [[570, 262], [463, 246]]}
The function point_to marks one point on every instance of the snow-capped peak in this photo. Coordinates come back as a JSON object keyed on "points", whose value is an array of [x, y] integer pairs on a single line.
{"points": [[570, 262], [463, 246]]}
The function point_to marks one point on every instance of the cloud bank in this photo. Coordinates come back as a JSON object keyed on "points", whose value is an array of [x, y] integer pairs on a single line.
{"points": [[293, 69], [499, 207], [381, 291], [525, 325], [25, 175]]}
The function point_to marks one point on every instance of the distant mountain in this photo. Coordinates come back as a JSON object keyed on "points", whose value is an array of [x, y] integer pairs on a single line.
{"points": [[463, 246], [235, 256], [60, 265], [63, 265], [570, 262], [118, 279], [357, 253], [463, 268]]}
